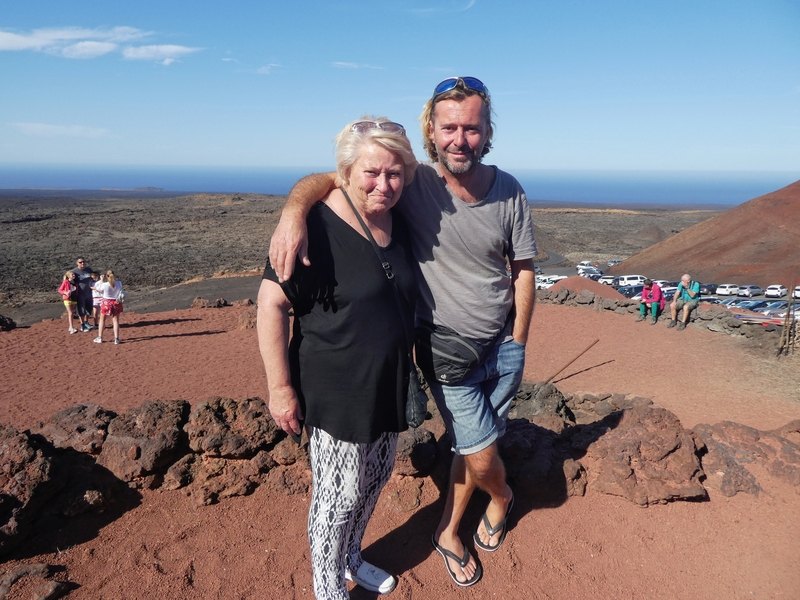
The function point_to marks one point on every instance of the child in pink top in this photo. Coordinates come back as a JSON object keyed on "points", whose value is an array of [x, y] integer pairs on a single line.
{"points": [[69, 294]]}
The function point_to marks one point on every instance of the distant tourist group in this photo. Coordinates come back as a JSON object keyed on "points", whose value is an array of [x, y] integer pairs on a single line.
{"points": [[91, 294]]}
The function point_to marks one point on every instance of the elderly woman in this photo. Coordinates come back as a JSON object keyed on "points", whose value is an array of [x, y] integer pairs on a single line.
{"points": [[345, 371]]}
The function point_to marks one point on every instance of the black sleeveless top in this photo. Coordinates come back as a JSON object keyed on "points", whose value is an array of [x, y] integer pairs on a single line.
{"points": [[348, 355]]}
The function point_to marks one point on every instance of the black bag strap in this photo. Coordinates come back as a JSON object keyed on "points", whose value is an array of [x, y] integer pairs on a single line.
{"points": [[387, 270]]}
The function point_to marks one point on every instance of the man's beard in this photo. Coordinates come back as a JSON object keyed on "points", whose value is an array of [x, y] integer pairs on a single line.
{"points": [[459, 168]]}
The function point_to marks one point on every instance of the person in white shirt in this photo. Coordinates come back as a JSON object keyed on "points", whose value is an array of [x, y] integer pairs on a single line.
{"points": [[110, 305]]}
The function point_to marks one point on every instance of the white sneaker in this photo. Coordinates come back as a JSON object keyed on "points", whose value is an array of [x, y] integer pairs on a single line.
{"points": [[72, 330], [98, 340], [372, 578], [117, 341]]}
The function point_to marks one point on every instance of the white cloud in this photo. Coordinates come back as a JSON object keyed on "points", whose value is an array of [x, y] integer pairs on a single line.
{"points": [[14, 41], [56, 39], [339, 64], [88, 49], [82, 43], [267, 69], [51, 130], [166, 54], [451, 6]]}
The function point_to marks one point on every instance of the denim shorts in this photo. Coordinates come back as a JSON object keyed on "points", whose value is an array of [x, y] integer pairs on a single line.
{"points": [[475, 410]]}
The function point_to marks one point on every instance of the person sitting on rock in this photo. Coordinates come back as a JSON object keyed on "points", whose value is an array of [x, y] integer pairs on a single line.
{"points": [[686, 299], [652, 301]]}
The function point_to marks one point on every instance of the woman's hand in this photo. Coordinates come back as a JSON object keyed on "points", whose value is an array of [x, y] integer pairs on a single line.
{"points": [[285, 409]]}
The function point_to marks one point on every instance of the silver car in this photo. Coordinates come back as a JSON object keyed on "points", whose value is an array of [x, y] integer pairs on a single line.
{"points": [[749, 290]]}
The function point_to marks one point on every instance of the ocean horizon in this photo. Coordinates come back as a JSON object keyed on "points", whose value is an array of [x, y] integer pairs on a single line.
{"points": [[693, 188]]}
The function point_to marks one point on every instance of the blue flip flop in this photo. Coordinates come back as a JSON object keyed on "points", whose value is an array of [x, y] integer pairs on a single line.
{"points": [[462, 562], [492, 531]]}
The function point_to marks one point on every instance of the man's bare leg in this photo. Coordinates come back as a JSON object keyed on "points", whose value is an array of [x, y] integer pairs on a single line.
{"points": [[686, 314], [460, 488], [483, 470], [489, 473]]}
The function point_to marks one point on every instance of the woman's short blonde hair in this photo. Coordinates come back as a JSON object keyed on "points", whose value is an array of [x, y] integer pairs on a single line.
{"points": [[349, 144], [457, 93]]}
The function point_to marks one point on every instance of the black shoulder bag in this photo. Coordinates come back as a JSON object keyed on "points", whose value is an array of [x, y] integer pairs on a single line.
{"points": [[416, 399]]}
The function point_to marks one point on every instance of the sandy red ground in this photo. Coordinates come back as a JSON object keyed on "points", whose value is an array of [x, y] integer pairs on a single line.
{"points": [[595, 546]]}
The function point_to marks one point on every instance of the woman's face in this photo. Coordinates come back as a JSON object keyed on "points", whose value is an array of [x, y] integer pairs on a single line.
{"points": [[376, 179]]}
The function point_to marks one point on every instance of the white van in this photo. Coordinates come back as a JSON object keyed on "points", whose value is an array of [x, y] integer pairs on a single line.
{"points": [[630, 280]]}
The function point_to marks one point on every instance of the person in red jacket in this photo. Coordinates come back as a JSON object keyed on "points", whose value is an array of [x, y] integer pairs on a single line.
{"points": [[68, 290], [652, 301]]}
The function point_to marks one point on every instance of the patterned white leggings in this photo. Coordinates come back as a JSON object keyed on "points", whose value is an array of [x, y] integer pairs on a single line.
{"points": [[347, 479]]}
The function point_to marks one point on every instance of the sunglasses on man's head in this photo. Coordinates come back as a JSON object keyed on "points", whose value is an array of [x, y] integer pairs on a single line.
{"points": [[470, 83], [390, 126]]}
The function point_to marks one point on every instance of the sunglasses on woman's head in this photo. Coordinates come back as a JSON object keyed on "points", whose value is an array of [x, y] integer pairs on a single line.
{"points": [[390, 126], [470, 83]]}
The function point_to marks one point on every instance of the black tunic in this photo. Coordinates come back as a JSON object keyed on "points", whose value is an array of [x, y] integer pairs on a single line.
{"points": [[348, 355]]}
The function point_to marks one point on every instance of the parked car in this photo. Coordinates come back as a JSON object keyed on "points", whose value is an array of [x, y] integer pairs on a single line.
{"points": [[625, 280], [751, 304], [613, 261], [775, 291], [773, 308], [749, 290], [796, 293], [583, 264], [730, 301], [587, 271], [727, 289], [708, 288], [710, 299], [669, 291], [609, 280], [545, 281], [629, 291], [795, 313]]}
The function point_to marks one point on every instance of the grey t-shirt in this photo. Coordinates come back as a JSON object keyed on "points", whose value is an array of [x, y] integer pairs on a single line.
{"points": [[84, 280], [463, 250]]}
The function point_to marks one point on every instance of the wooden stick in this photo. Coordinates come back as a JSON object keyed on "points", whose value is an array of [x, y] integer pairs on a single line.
{"points": [[549, 379], [787, 340]]}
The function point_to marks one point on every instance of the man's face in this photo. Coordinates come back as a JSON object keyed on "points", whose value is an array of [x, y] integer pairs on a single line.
{"points": [[81, 263], [459, 130]]}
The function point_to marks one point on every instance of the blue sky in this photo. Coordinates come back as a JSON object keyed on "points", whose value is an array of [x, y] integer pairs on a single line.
{"points": [[618, 85]]}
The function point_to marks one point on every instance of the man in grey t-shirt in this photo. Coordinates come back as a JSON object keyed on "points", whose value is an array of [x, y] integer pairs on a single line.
{"points": [[472, 236], [83, 275]]}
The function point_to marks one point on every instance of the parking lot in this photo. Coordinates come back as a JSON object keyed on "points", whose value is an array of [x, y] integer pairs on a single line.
{"points": [[773, 301]]}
